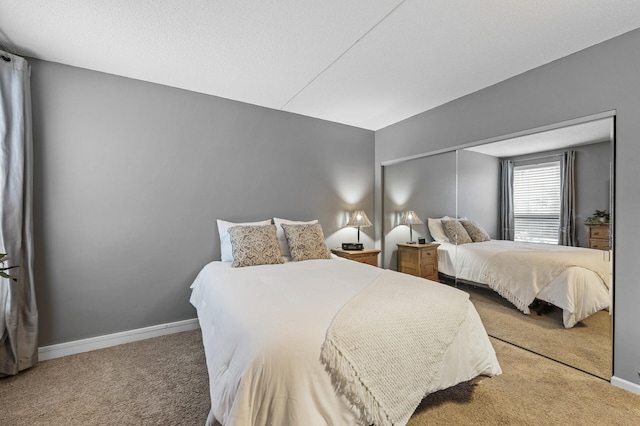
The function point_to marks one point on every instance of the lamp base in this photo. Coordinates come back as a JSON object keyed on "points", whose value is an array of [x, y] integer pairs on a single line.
{"points": [[411, 242], [352, 246]]}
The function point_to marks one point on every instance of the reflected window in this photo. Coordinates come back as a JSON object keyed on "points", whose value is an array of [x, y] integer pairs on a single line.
{"points": [[536, 202]]}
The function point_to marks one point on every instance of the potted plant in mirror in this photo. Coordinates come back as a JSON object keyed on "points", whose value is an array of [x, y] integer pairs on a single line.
{"points": [[4, 269], [599, 216]]}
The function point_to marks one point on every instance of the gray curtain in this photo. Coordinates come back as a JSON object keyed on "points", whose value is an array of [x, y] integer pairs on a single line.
{"points": [[18, 312], [567, 234], [506, 200]]}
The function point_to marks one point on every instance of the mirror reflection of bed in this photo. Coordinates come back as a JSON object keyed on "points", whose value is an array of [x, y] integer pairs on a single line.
{"points": [[434, 189]]}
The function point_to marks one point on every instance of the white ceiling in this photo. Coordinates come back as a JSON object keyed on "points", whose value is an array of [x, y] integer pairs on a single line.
{"points": [[549, 140], [367, 63]]}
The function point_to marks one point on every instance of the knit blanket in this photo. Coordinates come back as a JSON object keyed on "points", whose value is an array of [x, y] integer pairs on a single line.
{"points": [[521, 274], [387, 343]]}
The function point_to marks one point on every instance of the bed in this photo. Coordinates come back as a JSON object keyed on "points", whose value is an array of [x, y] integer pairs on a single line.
{"points": [[265, 329], [575, 279]]}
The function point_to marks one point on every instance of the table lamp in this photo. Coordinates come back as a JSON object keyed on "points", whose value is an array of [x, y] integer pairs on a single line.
{"points": [[358, 219]]}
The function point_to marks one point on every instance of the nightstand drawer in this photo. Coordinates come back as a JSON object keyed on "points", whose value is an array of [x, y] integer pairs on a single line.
{"points": [[367, 256], [428, 255], [599, 244], [600, 232], [369, 260]]}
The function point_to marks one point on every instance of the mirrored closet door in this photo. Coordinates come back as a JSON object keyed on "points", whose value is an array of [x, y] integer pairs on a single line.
{"points": [[473, 190]]}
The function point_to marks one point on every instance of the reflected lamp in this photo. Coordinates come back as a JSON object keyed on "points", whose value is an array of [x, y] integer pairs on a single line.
{"points": [[410, 218]]}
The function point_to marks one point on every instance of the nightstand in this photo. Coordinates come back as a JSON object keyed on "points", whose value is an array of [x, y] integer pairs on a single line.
{"points": [[598, 236], [368, 256], [420, 260]]}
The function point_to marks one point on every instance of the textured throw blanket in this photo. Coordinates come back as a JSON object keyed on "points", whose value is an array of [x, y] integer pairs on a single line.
{"points": [[387, 343], [520, 275]]}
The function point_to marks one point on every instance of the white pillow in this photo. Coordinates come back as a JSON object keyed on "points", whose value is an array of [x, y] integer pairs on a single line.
{"points": [[436, 230], [282, 239], [226, 252]]}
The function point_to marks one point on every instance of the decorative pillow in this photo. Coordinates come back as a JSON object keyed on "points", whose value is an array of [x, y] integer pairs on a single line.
{"points": [[475, 231], [306, 242], [225, 243], [254, 245], [436, 231], [455, 232], [282, 239]]}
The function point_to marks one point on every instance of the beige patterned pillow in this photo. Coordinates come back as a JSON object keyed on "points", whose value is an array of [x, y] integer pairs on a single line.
{"points": [[306, 242], [455, 231], [475, 231], [254, 245]]}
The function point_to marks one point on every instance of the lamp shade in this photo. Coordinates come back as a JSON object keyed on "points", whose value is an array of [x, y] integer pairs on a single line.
{"points": [[410, 218], [359, 218]]}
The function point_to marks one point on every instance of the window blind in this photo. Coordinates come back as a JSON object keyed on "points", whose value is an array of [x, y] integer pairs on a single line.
{"points": [[536, 202]]}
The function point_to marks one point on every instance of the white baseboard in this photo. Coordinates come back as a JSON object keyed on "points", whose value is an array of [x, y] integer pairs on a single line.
{"points": [[108, 340], [625, 384]]}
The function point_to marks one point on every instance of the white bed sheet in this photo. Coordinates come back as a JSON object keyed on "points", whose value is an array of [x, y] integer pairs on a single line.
{"points": [[262, 330], [579, 292]]}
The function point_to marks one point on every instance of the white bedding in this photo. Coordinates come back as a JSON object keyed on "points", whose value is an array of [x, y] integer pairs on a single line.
{"points": [[263, 328], [579, 291]]}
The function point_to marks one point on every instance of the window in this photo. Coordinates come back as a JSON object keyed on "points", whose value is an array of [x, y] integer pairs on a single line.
{"points": [[536, 202]]}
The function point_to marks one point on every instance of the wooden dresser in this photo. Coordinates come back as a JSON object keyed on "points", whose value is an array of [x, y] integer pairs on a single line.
{"points": [[420, 260], [598, 236], [368, 256]]}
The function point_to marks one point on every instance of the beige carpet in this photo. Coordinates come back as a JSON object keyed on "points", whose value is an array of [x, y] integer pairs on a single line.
{"points": [[531, 391], [163, 381], [160, 381], [587, 346]]}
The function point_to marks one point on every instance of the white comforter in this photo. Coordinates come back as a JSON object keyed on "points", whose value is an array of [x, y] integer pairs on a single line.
{"points": [[263, 328], [579, 291]]}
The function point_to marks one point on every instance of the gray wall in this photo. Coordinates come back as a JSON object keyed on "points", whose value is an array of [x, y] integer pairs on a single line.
{"points": [[601, 78], [131, 176], [593, 183], [479, 189]]}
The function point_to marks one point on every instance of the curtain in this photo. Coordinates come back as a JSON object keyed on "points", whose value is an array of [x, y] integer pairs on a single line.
{"points": [[506, 200], [567, 234], [18, 312]]}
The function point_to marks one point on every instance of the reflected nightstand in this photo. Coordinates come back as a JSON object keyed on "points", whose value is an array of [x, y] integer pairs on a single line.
{"points": [[420, 260]]}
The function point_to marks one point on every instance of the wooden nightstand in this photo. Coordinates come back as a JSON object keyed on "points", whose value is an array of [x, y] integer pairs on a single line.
{"points": [[598, 236], [420, 260], [368, 256]]}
